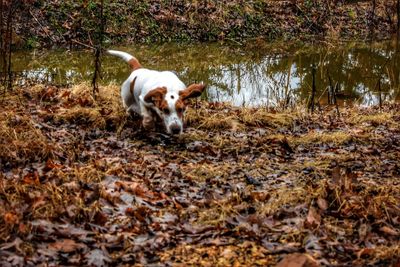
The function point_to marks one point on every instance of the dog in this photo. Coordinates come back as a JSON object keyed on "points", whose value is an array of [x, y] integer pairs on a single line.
{"points": [[156, 95]]}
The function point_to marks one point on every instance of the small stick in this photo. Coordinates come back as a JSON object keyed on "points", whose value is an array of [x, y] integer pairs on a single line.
{"points": [[86, 45], [314, 90], [335, 99]]}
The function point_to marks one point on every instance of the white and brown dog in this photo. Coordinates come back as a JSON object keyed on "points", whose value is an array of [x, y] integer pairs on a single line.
{"points": [[152, 93]]}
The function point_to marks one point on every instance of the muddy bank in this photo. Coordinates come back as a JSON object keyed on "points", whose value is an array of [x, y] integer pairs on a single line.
{"points": [[81, 184], [69, 23]]}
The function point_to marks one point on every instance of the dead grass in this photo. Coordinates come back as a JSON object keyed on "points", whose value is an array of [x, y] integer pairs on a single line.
{"points": [[313, 137], [374, 119], [97, 112], [227, 117], [264, 118], [21, 138], [283, 197], [236, 175]]}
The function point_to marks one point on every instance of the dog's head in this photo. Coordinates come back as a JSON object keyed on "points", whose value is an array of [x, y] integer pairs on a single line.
{"points": [[171, 106]]}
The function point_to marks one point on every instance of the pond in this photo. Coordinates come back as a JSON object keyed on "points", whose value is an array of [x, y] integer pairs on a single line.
{"points": [[255, 73]]}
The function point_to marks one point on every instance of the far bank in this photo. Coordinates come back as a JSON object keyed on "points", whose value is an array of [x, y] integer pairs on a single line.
{"points": [[73, 23]]}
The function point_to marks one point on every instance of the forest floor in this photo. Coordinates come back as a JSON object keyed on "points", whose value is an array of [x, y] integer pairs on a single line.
{"points": [[82, 184]]}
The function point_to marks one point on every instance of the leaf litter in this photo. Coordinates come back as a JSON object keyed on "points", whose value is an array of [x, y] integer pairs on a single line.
{"points": [[82, 184]]}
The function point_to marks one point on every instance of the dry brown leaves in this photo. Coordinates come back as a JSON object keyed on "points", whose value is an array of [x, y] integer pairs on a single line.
{"points": [[253, 192]]}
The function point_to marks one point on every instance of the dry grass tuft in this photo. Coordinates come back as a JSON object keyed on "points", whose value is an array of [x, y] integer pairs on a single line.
{"points": [[226, 117], [81, 116], [313, 137], [264, 118], [22, 139], [373, 119], [104, 110], [282, 197]]}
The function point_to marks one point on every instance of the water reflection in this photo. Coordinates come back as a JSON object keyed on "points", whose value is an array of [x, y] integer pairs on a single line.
{"points": [[256, 73]]}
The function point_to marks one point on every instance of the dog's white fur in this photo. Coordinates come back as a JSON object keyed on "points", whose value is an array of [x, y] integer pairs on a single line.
{"points": [[146, 92]]}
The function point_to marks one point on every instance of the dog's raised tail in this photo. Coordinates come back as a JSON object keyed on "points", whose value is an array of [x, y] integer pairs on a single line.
{"points": [[131, 60]]}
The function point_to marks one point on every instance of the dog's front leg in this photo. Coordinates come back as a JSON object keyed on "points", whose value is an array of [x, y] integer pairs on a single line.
{"points": [[147, 121], [133, 111]]}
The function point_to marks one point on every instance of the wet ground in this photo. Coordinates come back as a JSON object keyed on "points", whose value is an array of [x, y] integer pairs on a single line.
{"points": [[82, 185]]}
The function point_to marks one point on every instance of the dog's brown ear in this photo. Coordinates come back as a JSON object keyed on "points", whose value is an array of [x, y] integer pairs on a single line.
{"points": [[156, 96], [194, 90]]}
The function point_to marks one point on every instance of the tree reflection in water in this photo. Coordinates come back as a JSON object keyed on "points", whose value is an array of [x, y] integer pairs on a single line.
{"points": [[255, 73]]}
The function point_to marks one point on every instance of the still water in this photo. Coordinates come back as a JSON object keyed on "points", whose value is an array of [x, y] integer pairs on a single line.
{"points": [[255, 73]]}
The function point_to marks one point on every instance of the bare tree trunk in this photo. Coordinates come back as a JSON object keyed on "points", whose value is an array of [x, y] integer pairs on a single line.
{"points": [[7, 9], [98, 52], [371, 26], [9, 41], [398, 17], [380, 93], [313, 91], [2, 50]]}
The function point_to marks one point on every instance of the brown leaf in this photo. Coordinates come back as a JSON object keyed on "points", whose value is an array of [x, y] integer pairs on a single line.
{"points": [[365, 252], [51, 165], [322, 204], [260, 195], [389, 231], [298, 260], [22, 228], [66, 245], [14, 244], [313, 218], [336, 176], [11, 218], [32, 178], [38, 202], [228, 254], [100, 218], [363, 230]]}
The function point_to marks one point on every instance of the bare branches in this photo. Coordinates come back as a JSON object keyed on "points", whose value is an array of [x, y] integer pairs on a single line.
{"points": [[97, 61], [6, 8]]}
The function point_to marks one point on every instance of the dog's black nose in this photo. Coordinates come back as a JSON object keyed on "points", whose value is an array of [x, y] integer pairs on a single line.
{"points": [[175, 129]]}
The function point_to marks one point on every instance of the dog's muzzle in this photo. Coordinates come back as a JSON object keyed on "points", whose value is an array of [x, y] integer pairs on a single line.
{"points": [[175, 129]]}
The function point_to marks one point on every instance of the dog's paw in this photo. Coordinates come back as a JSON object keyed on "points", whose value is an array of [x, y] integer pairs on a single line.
{"points": [[148, 123]]}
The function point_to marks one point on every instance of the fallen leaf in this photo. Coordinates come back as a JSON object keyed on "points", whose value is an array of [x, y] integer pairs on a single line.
{"points": [[365, 252], [336, 176], [14, 244], [298, 260], [260, 195], [51, 165], [66, 245], [32, 178], [389, 231], [322, 204], [11, 218], [98, 258], [313, 218]]}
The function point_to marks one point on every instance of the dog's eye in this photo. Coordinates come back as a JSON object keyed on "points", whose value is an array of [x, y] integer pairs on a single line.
{"points": [[165, 110]]}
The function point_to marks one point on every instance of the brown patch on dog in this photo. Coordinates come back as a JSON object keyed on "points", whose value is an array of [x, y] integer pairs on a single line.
{"points": [[193, 90], [134, 64], [157, 97], [132, 85], [180, 108]]}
